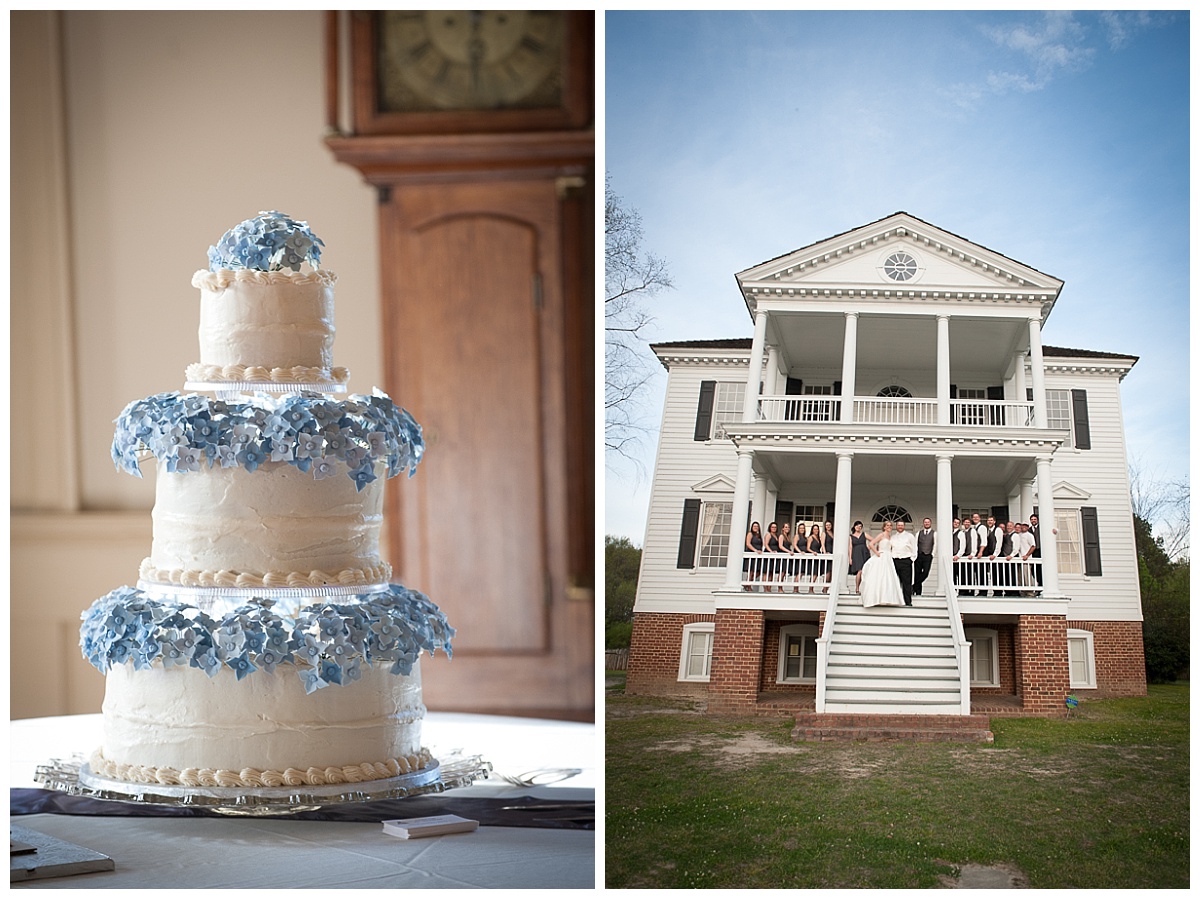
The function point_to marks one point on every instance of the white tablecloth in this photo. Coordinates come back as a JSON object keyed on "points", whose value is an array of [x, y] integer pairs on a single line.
{"points": [[263, 853]]}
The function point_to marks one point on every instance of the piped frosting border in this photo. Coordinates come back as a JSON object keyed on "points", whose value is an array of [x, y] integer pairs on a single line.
{"points": [[252, 777]]}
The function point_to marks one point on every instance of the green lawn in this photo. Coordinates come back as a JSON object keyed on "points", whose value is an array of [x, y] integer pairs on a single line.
{"points": [[1099, 800]]}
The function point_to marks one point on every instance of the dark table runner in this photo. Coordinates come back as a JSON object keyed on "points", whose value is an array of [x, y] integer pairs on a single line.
{"points": [[520, 811]]}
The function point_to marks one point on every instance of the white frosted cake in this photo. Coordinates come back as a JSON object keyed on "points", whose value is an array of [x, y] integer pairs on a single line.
{"points": [[264, 644]]}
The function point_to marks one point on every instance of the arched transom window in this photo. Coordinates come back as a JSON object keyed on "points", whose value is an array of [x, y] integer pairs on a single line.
{"points": [[891, 513]]}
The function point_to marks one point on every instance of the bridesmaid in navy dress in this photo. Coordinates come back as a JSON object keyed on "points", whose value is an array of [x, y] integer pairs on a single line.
{"points": [[773, 547], [859, 554], [814, 546], [754, 545]]}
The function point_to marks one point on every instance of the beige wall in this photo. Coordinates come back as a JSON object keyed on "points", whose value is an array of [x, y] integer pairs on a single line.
{"points": [[138, 139]]}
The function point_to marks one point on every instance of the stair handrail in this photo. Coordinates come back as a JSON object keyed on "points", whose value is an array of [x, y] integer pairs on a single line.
{"points": [[962, 648], [840, 564]]}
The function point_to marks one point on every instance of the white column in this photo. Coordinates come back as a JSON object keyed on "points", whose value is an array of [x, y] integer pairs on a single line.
{"points": [[1046, 527], [849, 363], [741, 510], [1026, 501], [1038, 372], [945, 507], [841, 521], [750, 407], [1019, 380], [771, 378], [1014, 505], [943, 370], [758, 504]]}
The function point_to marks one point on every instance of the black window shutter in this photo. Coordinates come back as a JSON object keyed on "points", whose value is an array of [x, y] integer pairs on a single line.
{"points": [[829, 510], [1000, 513], [837, 388], [783, 512], [1029, 394], [1079, 410], [996, 415], [687, 534], [708, 390], [1091, 541], [794, 387]]}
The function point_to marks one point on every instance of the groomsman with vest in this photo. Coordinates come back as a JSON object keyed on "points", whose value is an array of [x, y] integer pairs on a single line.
{"points": [[1035, 531], [926, 544]]}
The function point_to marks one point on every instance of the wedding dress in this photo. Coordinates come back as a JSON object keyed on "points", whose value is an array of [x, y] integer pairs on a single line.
{"points": [[880, 583]]}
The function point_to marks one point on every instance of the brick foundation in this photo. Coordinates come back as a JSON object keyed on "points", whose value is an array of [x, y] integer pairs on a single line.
{"points": [[737, 661], [1043, 678], [1120, 657], [654, 656]]}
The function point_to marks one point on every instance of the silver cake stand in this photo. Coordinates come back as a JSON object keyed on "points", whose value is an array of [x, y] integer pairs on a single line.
{"points": [[75, 778]]}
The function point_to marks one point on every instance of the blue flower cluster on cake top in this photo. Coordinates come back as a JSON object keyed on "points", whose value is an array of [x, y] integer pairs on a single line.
{"points": [[269, 242], [308, 430], [327, 643]]}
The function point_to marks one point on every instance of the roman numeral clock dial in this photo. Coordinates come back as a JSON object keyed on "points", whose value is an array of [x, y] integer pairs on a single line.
{"points": [[482, 60]]}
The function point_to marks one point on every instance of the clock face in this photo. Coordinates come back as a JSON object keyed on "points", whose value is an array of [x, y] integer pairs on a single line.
{"points": [[482, 60]]}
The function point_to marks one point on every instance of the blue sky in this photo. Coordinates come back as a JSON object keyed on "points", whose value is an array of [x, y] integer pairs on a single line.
{"points": [[1057, 139]]}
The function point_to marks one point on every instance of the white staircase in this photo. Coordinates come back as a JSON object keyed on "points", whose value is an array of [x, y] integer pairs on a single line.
{"points": [[892, 660]]}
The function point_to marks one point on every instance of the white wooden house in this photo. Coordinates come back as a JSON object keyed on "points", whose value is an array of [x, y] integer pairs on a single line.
{"points": [[897, 372]]}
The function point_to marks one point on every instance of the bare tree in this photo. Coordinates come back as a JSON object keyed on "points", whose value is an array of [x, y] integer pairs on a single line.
{"points": [[630, 276], [1165, 505]]}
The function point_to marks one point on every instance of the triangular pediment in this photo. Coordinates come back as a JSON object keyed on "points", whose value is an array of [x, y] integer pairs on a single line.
{"points": [[1065, 490], [716, 484], [900, 252]]}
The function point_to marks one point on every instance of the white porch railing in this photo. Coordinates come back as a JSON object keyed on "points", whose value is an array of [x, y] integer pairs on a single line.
{"points": [[879, 410], [787, 572], [1002, 577], [799, 408]]}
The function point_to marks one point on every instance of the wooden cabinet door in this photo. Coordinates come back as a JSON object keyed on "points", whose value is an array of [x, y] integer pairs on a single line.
{"points": [[473, 294]]}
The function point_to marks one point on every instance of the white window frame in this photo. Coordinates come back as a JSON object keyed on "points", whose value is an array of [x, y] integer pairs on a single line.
{"points": [[1069, 541], [723, 560], [1060, 413], [800, 515], [694, 629], [795, 630], [728, 405], [1088, 639], [989, 634]]}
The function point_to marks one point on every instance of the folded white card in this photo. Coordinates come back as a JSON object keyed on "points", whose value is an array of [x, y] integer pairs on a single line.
{"points": [[432, 826]]}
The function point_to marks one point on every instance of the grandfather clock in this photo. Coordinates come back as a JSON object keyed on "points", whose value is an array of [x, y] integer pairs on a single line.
{"points": [[476, 129]]}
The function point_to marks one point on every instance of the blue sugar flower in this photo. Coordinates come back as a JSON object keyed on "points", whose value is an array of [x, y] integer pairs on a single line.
{"points": [[283, 450], [323, 468], [188, 459], [268, 659], [308, 446], [331, 672], [356, 457], [241, 665], [311, 680], [226, 456], [363, 476], [251, 457], [172, 657], [351, 670]]}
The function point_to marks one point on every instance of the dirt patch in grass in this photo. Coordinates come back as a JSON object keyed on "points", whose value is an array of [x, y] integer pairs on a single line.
{"points": [[986, 877]]}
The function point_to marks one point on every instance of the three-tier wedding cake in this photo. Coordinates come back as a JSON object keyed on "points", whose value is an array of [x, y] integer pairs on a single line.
{"points": [[264, 644]]}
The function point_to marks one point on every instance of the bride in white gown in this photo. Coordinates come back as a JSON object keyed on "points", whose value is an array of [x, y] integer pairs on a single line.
{"points": [[880, 583]]}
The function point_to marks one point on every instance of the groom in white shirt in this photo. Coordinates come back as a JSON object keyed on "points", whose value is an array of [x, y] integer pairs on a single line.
{"points": [[904, 551]]}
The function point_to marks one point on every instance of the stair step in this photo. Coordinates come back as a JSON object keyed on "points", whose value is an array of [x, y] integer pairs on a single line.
{"points": [[894, 629], [879, 638], [891, 708], [812, 725], [882, 649], [896, 694], [893, 673], [850, 679]]}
